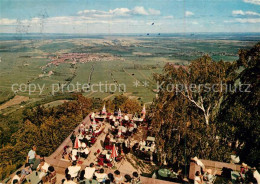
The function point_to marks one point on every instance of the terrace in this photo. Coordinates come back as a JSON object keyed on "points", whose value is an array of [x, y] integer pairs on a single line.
{"points": [[97, 148]]}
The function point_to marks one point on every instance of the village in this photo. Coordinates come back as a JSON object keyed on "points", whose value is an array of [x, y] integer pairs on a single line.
{"points": [[74, 58]]}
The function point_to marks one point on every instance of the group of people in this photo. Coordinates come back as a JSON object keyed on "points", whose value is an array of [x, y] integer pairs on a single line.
{"points": [[246, 175], [82, 141], [118, 135], [203, 175], [122, 126], [35, 163], [74, 174]]}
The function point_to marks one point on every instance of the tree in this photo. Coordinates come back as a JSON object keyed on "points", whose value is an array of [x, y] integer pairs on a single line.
{"points": [[44, 127], [131, 106], [239, 117], [201, 83], [184, 108], [119, 100]]}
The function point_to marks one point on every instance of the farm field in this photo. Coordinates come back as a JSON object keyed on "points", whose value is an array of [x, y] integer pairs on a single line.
{"points": [[54, 66]]}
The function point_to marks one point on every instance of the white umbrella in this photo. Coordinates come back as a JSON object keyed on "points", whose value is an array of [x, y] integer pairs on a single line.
{"points": [[119, 113], [144, 110]]}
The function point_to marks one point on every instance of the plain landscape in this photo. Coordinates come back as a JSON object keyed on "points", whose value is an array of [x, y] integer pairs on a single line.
{"points": [[108, 59]]}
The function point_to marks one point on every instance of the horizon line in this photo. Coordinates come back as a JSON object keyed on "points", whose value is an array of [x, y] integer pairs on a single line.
{"points": [[130, 33]]}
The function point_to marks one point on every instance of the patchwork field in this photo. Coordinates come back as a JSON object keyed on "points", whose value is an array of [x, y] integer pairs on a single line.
{"points": [[129, 64]]}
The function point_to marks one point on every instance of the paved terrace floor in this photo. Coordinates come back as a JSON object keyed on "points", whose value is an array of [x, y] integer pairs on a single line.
{"points": [[123, 166]]}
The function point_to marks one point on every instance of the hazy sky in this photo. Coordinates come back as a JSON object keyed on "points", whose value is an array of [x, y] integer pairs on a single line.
{"points": [[129, 16]]}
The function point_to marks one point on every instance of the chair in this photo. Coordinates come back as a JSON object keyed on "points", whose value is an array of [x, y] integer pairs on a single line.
{"points": [[108, 147], [93, 140], [119, 158], [100, 162], [98, 151], [109, 164]]}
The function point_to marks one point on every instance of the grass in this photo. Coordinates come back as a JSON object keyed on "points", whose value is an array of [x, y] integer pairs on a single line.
{"points": [[22, 61]]}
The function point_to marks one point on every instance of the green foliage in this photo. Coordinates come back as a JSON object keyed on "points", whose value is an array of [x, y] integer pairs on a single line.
{"points": [[119, 100], [131, 106], [124, 103], [183, 118], [179, 125], [239, 116], [181, 132], [44, 127]]}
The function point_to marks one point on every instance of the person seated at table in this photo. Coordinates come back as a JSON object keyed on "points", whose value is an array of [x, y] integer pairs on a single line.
{"points": [[15, 181], [243, 170], [136, 178], [16, 177], [51, 176], [131, 130], [89, 171], [43, 168], [116, 124], [101, 175], [74, 154], [74, 169], [110, 118], [128, 179], [80, 136], [88, 137], [135, 126], [108, 156], [31, 157], [126, 118], [84, 152], [86, 130], [256, 175], [94, 127], [141, 144], [135, 147], [124, 130], [118, 178], [110, 178], [198, 178], [208, 176], [84, 140], [119, 133], [82, 144], [26, 171], [68, 180]]}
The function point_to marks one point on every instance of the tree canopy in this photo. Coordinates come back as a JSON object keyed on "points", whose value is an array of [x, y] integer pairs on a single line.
{"points": [[206, 109]]}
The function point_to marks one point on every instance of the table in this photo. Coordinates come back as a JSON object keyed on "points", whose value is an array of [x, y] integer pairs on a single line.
{"points": [[166, 173], [89, 181], [34, 177]]}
